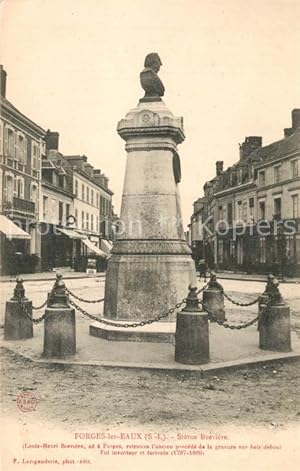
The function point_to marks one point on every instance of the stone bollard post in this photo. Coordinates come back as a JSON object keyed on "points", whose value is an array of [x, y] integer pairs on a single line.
{"points": [[192, 337], [213, 298], [60, 328], [17, 324], [264, 298], [275, 327]]}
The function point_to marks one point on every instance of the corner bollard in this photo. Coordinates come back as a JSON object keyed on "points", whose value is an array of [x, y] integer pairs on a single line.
{"points": [[17, 324], [60, 329], [213, 298], [275, 327], [192, 338]]}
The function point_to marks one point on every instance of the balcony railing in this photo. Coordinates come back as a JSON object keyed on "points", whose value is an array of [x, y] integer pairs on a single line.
{"points": [[18, 204]]}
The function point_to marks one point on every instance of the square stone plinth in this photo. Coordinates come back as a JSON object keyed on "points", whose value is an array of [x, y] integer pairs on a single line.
{"points": [[161, 332]]}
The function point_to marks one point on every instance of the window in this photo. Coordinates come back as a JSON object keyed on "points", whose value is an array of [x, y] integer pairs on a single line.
{"points": [[239, 210], [67, 210], [294, 168], [97, 200], [8, 189], [245, 211], [87, 221], [92, 222], [35, 155], [92, 196], [262, 178], [87, 194], [33, 193], [11, 143], [262, 250], [82, 192], [45, 207], [82, 219], [220, 213], [229, 213], [97, 224], [60, 212], [21, 148], [262, 210], [76, 187], [295, 206], [76, 218], [277, 208], [251, 208], [20, 187], [277, 173]]}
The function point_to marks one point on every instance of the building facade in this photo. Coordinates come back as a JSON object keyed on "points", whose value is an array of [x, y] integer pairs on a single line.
{"points": [[249, 215], [22, 146], [73, 195]]}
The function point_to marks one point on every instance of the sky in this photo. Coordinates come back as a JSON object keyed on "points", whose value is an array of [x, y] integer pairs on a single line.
{"points": [[231, 68]]}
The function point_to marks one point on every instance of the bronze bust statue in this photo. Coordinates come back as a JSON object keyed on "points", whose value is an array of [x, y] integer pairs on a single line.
{"points": [[150, 81]]}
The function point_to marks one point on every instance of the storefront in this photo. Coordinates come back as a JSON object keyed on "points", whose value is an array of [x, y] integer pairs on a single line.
{"points": [[14, 248]]}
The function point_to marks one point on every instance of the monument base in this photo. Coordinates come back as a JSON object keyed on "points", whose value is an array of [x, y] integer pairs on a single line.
{"points": [[156, 332], [141, 287]]}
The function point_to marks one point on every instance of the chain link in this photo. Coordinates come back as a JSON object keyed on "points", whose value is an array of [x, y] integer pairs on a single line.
{"points": [[84, 300], [27, 313], [251, 303], [126, 325], [234, 327], [202, 289], [36, 308]]}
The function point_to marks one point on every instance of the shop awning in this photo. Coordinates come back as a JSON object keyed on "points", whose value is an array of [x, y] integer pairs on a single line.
{"points": [[94, 248], [106, 246], [11, 230], [71, 234]]}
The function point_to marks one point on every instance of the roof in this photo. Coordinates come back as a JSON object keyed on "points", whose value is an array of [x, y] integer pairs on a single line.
{"points": [[278, 149], [12, 108]]}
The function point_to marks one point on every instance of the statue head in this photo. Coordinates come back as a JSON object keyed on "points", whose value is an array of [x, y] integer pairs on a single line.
{"points": [[153, 61]]}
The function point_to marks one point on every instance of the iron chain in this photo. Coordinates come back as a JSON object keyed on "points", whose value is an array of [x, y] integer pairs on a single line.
{"points": [[202, 289], [235, 327], [36, 308], [126, 325], [84, 300], [251, 303], [27, 313]]}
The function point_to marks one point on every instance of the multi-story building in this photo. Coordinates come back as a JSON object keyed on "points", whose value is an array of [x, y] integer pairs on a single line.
{"points": [[249, 215], [22, 146], [73, 195]]}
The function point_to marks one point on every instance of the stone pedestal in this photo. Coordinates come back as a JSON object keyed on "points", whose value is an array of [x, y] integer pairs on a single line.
{"points": [[151, 265], [59, 333], [213, 299], [275, 329], [17, 325]]}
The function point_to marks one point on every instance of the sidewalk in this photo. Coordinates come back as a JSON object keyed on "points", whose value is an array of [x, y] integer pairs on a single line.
{"points": [[51, 275], [253, 277]]}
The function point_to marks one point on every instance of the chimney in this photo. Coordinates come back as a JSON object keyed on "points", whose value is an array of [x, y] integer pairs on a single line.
{"points": [[296, 118], [219, 167], [288, 132], [52, 140], [250, 144], [88, 168], [96, 172], [3, 76]]}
